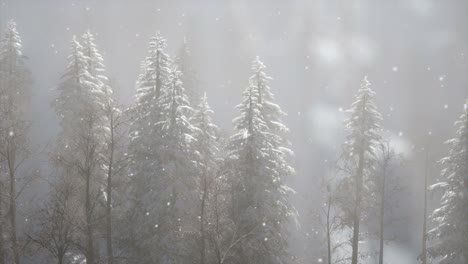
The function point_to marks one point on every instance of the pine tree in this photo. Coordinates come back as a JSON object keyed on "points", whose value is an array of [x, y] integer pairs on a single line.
{"points": [[358, 159], [166, 197], [82, 143], [258, 167], [15, 80], [143, 165], [450, 234], [207, 146]]}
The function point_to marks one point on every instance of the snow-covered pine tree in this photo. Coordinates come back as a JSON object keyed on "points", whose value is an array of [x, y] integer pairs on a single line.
{"points": [[258, 170], [207, 146], [15, 81], [147, 111], [450, 234], [111, 123], [82, 143], [145, 114], [184, 62], [166, 197], [272, 112], [358, 159]]}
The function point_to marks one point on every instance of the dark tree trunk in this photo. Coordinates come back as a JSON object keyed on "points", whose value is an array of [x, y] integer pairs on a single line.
{"points": [[110, 254], [90, 258], [2, 245], [14, 239], [424, 235], [329, 251], [202, 218], [382, 216], [357, 209]]}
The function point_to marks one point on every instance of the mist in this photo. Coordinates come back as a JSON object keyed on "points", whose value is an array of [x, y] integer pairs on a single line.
{"points": [[413, 52]]}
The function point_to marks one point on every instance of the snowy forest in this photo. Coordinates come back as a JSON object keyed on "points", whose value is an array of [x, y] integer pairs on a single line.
{"points": [[233, 132]]}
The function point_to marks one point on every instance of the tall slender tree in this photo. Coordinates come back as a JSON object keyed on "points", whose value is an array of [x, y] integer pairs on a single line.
{"points": [[450, 234], [206, 145], [82, 145], [164, 184], [260, 206], [358, 159], [112, 122], [145, 114], [15, 80]]}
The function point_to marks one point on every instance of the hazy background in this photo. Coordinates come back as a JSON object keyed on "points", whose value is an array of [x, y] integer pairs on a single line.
{"points": [[413, 51]]}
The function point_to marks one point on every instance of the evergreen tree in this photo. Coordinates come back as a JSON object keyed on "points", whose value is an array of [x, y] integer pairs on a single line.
{"points": [[81, 150], [207, 146], [256, 159], [166, 197], [15, 81], [358, 160], [450, 234]]}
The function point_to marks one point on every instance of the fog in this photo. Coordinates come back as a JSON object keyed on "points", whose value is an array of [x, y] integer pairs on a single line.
{"points": [[414, 52]]}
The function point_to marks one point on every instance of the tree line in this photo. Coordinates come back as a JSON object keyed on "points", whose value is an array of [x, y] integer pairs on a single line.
{"points": [[159, 182]]}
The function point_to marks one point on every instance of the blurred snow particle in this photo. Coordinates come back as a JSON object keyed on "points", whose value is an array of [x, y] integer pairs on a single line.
{"points": [[395, 68], [446, 106]]}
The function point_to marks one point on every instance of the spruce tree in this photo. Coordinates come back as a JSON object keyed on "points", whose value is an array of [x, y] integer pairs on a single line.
{"points": [[207, 146], [15, 81], [81, 149], [358, 160], [450, 234], [258, 171]]}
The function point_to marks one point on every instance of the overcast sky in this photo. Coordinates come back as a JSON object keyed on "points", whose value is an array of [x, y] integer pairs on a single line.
{"points": [[414, 52]]}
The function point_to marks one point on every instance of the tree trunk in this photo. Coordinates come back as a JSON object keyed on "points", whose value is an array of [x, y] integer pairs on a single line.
{"points": [[424, 236], [14, 239], [89, 228], [357, 209], [2, 245], [202, 218], [110, 254], [329, 253], [60, 258], [382, 215]]}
